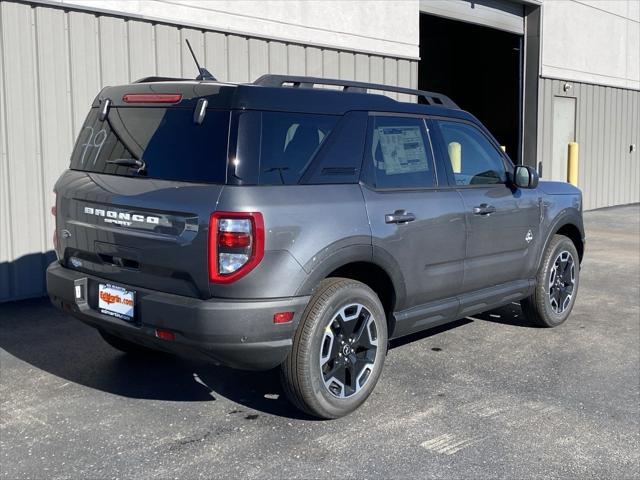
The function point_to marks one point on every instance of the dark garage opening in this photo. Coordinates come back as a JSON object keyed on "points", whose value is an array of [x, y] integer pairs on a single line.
{"points": [[480, 69]]}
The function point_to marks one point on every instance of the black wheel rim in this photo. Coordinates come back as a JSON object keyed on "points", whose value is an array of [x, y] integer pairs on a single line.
{"points": [[348, 350], [562, 280]]}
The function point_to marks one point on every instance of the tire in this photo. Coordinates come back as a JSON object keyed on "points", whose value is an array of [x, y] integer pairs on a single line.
{"points": [[126, 346], [558, 278], [322, 376]]}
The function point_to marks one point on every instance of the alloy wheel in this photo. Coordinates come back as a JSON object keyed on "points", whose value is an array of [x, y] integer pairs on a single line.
{"points": [[562, 282], [348, 350]]}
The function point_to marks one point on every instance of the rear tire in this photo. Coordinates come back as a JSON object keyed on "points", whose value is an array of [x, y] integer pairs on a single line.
{"points": [[556, 284], [338, 350], [126, 346]]}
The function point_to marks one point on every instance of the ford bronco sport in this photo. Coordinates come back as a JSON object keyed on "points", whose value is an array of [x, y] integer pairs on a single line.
{"points": [[280, 224]]}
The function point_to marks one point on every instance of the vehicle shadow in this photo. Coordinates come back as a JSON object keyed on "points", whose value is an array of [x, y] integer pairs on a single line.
{"points": [[508, 315], [49, 340]]}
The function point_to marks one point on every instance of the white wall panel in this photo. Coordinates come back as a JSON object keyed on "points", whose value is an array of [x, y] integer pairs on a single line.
{"points": [[596, 42], [296, 60], [168, 50], [387, 27], [196, 39], [278, 62], [216, 54], [314, 62], [84, 61], [142, 51], [6, 247], [24, 155], [238, 59], [53, 62], [114, 50], [258, 58]]}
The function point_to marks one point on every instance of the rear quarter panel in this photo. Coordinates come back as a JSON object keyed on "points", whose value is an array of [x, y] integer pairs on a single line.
{"points": [[308, 228]]}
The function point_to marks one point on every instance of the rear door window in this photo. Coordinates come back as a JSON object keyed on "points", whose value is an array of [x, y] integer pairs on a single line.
{"points": [[400, 153], [167, 140]]}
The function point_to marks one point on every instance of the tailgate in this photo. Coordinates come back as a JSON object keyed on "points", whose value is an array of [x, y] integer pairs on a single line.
{"points": [[152, 235]]}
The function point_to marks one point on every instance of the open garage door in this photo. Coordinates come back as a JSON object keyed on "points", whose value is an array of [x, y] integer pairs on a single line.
{"points": [[479, 66]]}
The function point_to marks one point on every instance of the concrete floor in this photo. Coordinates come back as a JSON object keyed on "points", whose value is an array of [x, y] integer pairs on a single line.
{"points": [[489, 396]]}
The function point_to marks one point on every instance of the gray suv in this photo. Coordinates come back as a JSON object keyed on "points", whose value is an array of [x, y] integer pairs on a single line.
{"points": [[278, 224]]}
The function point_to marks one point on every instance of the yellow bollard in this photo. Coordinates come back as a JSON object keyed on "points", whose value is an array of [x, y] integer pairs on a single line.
{"points": [[455, 155], [572, 164]]}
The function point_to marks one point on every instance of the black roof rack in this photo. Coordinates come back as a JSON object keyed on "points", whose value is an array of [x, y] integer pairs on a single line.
{"points": [[431, 98]]}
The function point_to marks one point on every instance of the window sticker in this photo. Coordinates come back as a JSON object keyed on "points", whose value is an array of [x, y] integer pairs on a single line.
{"points": [[403, 149]]}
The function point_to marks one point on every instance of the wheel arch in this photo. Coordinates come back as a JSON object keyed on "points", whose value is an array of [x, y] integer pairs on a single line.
{"points": [[569, 224], [573, 233], [356, 263]]}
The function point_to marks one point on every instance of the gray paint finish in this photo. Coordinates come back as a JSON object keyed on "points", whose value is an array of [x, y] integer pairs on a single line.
{"points": [[607, 123], [53, 62]]}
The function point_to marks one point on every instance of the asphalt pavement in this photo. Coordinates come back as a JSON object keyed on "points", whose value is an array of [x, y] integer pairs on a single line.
{"points": [[485, 397]]}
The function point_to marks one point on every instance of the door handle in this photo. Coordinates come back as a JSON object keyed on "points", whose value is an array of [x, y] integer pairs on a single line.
{"points": [[399, 216], [484, 209]]}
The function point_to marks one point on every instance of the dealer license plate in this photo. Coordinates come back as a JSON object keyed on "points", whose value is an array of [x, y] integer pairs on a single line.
{"points": [[116, 301]]}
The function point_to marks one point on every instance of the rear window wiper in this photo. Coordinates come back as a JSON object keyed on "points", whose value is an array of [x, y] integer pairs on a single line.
{"points": [[130, 162]]}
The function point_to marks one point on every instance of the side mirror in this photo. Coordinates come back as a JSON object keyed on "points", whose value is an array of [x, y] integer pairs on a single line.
{"points": [[525, 177]]}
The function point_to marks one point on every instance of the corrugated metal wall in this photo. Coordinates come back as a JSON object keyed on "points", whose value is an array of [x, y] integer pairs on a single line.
{"points": [[52, 64], [607, 123]]}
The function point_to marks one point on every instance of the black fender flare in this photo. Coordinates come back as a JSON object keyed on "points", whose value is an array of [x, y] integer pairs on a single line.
{"points": [[568, 216], [351, 254]]}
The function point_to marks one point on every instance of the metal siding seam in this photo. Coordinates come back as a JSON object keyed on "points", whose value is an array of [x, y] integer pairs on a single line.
{"points": [[5, 208], [634, 138], [621, 192], [603, 146], [588, 113], [593, 122], [43, 214], [606, 154]]}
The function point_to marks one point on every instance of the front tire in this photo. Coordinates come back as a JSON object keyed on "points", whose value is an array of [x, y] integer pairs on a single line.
{"points": [[556, 284], [338, 350]]}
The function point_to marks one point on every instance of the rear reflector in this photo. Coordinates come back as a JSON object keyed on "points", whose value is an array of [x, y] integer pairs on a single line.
{"points": [[152, 97], [165, 334], [283, 317]]}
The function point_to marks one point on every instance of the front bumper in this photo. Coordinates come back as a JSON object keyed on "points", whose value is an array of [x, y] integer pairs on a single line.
{"points": [[236, 333]]}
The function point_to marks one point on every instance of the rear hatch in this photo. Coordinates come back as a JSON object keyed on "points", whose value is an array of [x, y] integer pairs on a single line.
{"points": [[145, 175]]}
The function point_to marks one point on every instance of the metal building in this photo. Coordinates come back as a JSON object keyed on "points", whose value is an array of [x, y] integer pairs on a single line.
{"points": [[560, 72]]}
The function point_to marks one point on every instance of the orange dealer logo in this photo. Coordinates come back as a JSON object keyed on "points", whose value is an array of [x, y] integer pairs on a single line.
{"points": [[110, 298]]}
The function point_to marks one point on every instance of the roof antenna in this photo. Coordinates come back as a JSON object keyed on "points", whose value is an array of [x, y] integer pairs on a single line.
{"points": [[204, 74]]}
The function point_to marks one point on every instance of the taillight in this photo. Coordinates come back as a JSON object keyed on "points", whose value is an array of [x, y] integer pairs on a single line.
{"points": [[236, 245], [152, 97]]}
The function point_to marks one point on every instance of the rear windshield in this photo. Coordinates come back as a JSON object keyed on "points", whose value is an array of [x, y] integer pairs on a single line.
{"points": [[167, 141]]}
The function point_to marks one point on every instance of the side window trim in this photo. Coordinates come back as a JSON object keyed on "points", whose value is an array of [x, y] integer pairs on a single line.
{"points": [[368, 175], [443, 152]]}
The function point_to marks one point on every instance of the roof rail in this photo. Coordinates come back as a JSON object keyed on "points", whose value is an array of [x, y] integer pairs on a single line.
{"points": [[431, 98]]}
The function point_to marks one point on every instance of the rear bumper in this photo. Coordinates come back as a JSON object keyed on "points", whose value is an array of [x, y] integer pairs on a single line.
{"points": [[236, 333]]}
